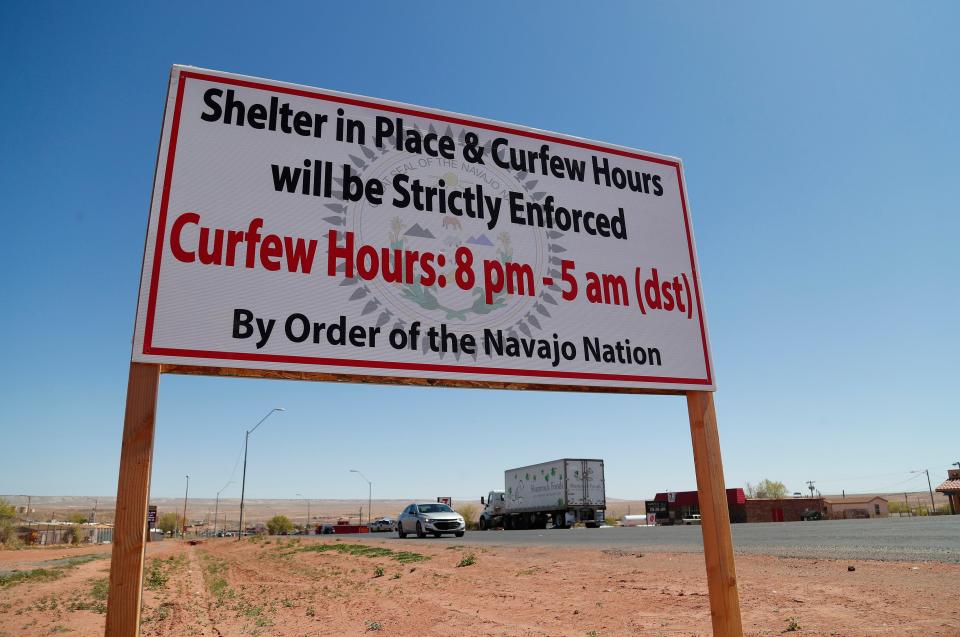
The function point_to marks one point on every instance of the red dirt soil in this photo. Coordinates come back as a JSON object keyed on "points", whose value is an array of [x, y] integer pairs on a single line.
{"points": [[275, 587]]}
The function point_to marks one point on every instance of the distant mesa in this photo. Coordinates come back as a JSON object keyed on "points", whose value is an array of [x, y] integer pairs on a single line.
{"points": [[417, 231], [480, 240]]}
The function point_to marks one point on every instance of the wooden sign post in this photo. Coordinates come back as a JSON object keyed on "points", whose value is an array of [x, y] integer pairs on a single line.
{"points": [[307, 234], [714, 516], [133, 492]]}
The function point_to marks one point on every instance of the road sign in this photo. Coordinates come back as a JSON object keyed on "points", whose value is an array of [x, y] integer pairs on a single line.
{"points": [[305, 230]]}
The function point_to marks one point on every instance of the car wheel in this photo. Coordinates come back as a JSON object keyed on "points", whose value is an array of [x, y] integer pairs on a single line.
{"points": [[420, 531], [482, 524], [400, 532], [459, 533]]}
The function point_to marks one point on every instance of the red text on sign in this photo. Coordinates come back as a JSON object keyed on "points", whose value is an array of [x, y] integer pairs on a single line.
{"points": [[218, 246]]}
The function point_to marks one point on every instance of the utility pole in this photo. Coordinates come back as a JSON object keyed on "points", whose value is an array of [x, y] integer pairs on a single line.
{"points": [[216, 509], [810, 486], [369, 496], [933, 507], [306, 529], [183, 533]]}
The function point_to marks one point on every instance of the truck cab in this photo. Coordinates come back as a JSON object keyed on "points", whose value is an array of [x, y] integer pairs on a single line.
{"points": [[493, 509]]}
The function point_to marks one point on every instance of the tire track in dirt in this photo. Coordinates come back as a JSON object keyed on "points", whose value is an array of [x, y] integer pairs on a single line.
{"points": [[174, 596], [200, 598]]}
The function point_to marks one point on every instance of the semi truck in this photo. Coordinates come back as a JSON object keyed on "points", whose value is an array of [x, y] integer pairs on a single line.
{"points": [[560, 493]]}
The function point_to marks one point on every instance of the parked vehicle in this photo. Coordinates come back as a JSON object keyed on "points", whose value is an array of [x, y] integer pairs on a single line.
{"points": [[562, 492], [430, 517], [326, 529], [811, 514], [382, 524], [693, 519]]}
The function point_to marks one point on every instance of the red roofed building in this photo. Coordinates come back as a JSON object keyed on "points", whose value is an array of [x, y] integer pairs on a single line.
{"points": [[672, 507], [951, 489]]}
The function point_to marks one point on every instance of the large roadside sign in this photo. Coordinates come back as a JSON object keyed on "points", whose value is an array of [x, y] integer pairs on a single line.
{"points": [[306, 230], [303, 233]]}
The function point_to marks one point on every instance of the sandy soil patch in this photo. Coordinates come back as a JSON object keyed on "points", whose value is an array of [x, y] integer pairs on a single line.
{"points": [[313, 586]]}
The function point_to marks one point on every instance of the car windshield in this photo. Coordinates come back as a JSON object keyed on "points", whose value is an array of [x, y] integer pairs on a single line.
{"points": [[434, 508]]}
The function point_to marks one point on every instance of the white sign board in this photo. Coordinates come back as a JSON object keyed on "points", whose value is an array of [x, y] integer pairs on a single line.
{"points": [[302, 229]]}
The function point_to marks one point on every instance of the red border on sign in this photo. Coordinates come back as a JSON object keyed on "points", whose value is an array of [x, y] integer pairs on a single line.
{"points": [[149, 349]]}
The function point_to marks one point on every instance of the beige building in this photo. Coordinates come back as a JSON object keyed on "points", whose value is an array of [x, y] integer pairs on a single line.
{"points": [[857, 507]]}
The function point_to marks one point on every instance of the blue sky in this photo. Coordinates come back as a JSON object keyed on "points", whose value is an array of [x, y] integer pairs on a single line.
{"points": [[820, 148]]}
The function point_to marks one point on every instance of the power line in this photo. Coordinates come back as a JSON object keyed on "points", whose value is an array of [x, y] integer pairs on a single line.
{"points": [[236, 462], [895, 484], [852, 478]]}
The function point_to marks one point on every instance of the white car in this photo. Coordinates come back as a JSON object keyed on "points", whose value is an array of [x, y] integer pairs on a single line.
{"points": [[381, 524], [430, 517]]}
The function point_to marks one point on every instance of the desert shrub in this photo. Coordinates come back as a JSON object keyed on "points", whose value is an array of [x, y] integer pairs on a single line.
{"points": [[8, 528], [74, 535], [169, 523], [279, 524], [470, 513]]}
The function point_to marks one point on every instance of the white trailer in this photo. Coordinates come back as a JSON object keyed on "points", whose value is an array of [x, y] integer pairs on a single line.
{"points": [[560, 492]]}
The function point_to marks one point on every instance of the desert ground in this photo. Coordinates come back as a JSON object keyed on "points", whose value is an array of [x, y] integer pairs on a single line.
{"points": [[351, 586]]}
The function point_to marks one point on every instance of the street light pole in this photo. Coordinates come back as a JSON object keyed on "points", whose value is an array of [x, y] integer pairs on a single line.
{"points": [[216, 509], [369, 494], [183, 532], [243, 485], [307, 527]]}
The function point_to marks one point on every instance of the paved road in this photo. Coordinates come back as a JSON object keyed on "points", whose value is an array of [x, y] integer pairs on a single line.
{"points": [[907, 539]]}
